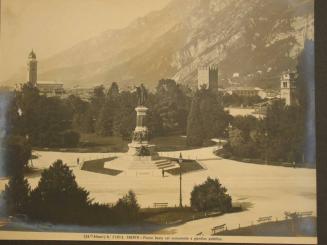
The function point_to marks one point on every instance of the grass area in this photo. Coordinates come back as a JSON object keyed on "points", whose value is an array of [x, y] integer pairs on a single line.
{"points": [[302, 227], [103, 144], [187, 166], [97, 166], [221, 153], [173, 215], [174, 143], [95, 143]]}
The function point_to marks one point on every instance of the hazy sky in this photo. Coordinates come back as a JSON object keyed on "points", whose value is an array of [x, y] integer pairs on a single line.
{"points": [[49, 26]]}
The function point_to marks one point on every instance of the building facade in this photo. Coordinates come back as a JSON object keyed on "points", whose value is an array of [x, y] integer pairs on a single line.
{"points": [[288, 87], [245, 91], [208, 77]]}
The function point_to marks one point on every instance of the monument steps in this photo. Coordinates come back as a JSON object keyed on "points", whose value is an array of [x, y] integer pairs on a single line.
{"points": [[164, 165]]}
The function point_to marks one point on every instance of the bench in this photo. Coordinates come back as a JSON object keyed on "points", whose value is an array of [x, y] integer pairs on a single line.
{"points": [[308, 213], [160, 204], [264, 219], [218, 228]]}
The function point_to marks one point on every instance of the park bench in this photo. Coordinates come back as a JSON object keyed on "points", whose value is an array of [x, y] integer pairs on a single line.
{"points": [[264, 219], [160, 204], [218, 228], [308, 213]]}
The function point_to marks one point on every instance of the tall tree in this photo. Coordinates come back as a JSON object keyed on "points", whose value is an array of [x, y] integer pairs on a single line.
{"points": [[207, 118], [172, 105], [16, 195], [16, 151], [195, 132]]}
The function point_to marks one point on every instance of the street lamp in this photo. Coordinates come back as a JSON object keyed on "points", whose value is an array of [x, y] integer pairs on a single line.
{"points": [[180, 161], [266, 146]]}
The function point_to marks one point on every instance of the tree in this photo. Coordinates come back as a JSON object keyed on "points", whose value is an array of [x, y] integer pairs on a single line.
{"points": [[172, 105], [16, 195], [105, 119], [207, 118], [214, 118], [210, 195], [195, 134], [113, 91], [16, 151], [70, 138], [125, 115], [58, 198], [127, 208], [82, 114], [41, 119]]}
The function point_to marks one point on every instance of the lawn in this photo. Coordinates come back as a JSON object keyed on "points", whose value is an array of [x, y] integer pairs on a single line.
{"points": [[172, 215], [177, 215], [95, 143], [174, 143]]}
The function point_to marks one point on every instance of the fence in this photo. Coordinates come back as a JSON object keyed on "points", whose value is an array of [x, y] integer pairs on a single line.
{"points": [[264, 219]]}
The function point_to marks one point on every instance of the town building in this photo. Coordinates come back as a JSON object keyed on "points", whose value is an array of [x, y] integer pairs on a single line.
{"points": [[245, 91], [47, 88], [83, 93], [208, 77], [288, 88], [50, 88]]}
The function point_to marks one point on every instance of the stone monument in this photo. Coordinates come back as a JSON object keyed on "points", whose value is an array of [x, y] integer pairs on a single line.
{"points": [[140, 149], [141, 158]]}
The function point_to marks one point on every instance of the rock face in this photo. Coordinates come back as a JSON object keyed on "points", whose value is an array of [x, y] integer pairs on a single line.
{"points": [[255, 38]]}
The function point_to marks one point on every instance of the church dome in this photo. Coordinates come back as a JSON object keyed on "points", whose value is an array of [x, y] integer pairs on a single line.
{"points": [[32, 55]]}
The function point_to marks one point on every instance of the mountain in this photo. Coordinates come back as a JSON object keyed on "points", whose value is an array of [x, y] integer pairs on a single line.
{"points": [[258, 39]]}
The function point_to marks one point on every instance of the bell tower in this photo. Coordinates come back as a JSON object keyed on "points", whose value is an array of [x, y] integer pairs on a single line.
{"points": [[288, 87], [32, 69]]}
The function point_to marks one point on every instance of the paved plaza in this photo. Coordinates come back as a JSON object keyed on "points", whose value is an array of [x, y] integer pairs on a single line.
{"points": [[270, 190]]}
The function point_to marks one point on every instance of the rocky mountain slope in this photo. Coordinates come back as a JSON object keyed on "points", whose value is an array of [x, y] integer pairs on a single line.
{"points": [[256, 38]]}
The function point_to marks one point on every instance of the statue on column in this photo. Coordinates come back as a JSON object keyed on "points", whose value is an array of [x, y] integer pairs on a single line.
{"points": [[142, 95]]}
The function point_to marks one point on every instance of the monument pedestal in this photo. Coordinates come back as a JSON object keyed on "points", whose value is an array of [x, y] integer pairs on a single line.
{"points": [[140, 149], [141, 158]]}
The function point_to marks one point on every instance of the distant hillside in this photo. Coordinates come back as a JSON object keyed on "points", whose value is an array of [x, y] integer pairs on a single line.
{"points": [[255, 38]]}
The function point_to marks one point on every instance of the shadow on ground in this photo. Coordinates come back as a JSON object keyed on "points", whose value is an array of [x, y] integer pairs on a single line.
{"points": [[97, 166]]}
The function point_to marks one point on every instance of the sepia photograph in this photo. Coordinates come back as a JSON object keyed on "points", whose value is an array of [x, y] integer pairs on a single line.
{"points": [[158, 121]]}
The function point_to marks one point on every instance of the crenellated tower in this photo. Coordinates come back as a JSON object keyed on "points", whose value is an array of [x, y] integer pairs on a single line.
{"points": [[208, 77]]}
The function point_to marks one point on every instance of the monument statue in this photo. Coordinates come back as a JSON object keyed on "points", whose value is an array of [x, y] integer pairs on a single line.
{"points": [[142, 95], [140, 146]]}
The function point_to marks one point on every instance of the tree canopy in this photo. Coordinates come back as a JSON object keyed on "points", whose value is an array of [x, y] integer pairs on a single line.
{"points": [[210, 195]]}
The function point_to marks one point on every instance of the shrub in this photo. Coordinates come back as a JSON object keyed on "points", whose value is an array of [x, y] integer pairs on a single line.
{"points": [[58, 198], [210, 195], [127, 208]]}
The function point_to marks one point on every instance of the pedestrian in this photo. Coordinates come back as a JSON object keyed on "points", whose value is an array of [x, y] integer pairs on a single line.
{"points": [[77, 161], [293, 164], [163, 172]]}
